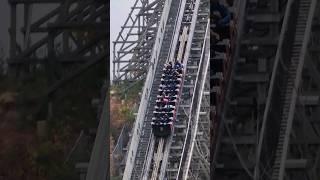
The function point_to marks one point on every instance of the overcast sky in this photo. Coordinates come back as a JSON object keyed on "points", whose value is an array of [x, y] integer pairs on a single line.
{"points": [[119, 11]]}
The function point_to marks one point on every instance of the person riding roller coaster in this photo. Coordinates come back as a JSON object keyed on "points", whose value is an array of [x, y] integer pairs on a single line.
{"points": [[167, 98], [221, 19]]}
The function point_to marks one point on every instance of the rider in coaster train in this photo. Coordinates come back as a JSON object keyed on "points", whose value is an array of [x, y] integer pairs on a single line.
{"points": [[224, 13], [178, 65], [221, 19], [168, 90]]}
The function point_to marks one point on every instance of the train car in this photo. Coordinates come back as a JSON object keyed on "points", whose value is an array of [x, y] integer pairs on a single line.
{"points": [[167, 99], [162, 129], [169, 92]]}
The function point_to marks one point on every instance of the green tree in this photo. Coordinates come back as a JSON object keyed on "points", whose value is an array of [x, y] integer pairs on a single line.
{"points": [[127, 113]]}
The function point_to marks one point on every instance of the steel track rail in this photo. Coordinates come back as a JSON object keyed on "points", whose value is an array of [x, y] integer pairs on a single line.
{"points": [[146, 94], [202, 73]]}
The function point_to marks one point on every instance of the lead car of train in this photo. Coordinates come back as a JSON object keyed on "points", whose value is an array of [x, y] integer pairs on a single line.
{"points": [[167, 99]]}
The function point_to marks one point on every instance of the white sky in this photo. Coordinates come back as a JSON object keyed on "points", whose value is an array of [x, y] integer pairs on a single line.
{"points": [[119, 11]]}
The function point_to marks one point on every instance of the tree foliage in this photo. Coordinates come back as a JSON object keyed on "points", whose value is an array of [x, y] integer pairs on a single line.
{"points": [[127, 112], [127, 92]]}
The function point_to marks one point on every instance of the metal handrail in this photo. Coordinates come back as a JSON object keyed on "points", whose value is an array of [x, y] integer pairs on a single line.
{"points": [[151, 139], [296, 81], [201, 83], [171, 47], [271, 86], [118, 141], [193, 23], [146, 93]]}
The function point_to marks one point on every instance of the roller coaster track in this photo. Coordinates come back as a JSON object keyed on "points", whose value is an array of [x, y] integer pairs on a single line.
{"points": [[287, 75], [259, 134], [183, 33]]}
